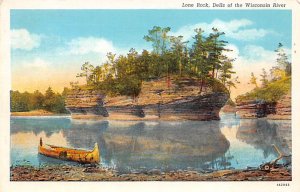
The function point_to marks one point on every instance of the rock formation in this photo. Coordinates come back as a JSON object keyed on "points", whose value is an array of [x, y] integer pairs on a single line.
{"points": [[85, 102], [157, 100], [248, 109], [283, 108], [260, 108]]}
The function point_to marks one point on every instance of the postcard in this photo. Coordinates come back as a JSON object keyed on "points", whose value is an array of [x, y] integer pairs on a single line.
{"points": [[149, 95]]}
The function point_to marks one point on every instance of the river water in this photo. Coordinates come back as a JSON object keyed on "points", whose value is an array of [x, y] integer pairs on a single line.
{"points": [[135, 146]]}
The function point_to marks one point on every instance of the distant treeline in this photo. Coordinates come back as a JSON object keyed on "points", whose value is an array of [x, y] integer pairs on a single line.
{"points": [[203, 58], [50, 101]]}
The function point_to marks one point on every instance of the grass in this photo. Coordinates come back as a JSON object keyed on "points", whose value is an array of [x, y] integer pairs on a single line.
{"points": [[271, 93]]}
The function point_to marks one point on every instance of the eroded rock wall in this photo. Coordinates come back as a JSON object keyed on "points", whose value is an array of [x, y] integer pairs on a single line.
{"points": [[85, 102], [157, 100], [260, 108], [283, 108]]}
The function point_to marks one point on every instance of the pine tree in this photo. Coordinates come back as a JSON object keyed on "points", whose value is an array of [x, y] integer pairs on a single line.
{"points": [[177, 48], [282, 58], [216, 47], [253, 80], [200, 66], [264, 78], [87, 71]]}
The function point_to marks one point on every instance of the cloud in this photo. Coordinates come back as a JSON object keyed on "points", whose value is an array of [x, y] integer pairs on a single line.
{"points": [[24, 40], [235, 29], [37, 63], [234, 53], [256, 53], [94, 48], [248, 34], [85, 45]]}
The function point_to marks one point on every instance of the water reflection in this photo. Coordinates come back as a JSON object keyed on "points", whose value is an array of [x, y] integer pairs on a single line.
{"points": [[262, 134], [131, 145], [164, 145]]}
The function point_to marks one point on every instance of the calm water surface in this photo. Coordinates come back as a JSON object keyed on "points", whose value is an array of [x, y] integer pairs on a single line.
{"points": [[131, 146]]}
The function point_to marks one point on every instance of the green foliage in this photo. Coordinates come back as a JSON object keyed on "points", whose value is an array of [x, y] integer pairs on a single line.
{"points": [[171, 56], [264, 78], [274, 86], [159, 38], [18, 101], [272, 92], [215, 46], [226, 72], [282, 59], [253, 80], [86, 70], [50, 101], [283, 66], [217, 86], [177, 50], [230, 102]]}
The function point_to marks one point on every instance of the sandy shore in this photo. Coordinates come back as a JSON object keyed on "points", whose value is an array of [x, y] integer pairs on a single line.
{"points": [[81, 173], [36, 113]]}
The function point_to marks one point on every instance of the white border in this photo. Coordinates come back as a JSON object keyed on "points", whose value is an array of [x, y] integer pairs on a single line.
{"points": [[5, 82]]}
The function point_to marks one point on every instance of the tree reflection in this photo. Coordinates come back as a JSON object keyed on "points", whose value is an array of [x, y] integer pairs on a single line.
{"points": [[263, 133]]}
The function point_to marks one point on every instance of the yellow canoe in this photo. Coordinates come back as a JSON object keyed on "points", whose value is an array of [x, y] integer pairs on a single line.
{"points": [[78, 155]]}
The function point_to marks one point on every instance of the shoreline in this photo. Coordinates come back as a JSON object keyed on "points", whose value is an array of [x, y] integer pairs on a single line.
{"points": [[125, 117], [84, 173], [36, 113]]}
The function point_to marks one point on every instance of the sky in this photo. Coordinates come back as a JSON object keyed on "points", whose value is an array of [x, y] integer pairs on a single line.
{"points": [[48, 47]]}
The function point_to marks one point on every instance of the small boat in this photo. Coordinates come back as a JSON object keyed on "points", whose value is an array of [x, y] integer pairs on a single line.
{"points": [[77, 155]]}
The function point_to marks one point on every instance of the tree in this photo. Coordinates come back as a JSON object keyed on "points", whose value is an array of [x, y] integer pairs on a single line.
{"points": [[177, 47], [49, 99], [277, 73], [253, 80], [145, 65], [58, 105], [283, 66], [38, 100], [200, 66], [226, 71], [123, 74], [97, 74], [159, 38], [282, 59], [264, 78], [186, 60], [18, 102], [215, 49], [132, 62], [112, 64], [87, 71], [65, 92]]}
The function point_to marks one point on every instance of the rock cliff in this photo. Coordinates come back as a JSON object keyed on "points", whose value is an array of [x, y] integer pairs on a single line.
{"points": [[158, 99], [283, 108], [260, 108]]}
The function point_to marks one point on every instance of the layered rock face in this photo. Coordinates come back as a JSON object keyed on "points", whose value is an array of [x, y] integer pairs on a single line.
{"points": [[85, 102], [260, 108], [255, 109], [283, 108], [157, 100]]}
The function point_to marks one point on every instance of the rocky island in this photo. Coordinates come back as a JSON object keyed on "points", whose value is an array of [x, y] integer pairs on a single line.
{"points": [[272, 100], [261, 108], [178, 100]]}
